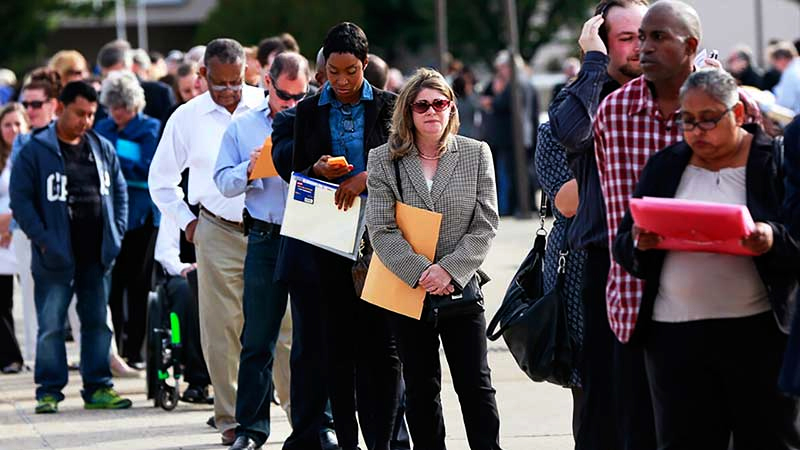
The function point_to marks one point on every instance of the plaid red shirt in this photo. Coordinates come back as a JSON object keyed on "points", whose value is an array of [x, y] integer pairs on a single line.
{"points": [[628, 129]]}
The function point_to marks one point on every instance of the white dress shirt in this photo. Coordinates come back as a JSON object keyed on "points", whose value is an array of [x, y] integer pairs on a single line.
{"points": [[168, 247], [191, 140]]}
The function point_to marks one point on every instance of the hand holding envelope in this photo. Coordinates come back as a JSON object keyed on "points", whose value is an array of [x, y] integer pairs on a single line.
{"points": [[382, 287], [264, 167]]}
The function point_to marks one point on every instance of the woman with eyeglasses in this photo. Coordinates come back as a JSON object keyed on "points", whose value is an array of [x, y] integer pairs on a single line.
{"points": [[715, 340], [427, 165], [135, 137]]}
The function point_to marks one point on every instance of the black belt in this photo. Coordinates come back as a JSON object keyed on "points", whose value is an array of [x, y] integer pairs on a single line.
{"points": [[264, 227], [222, 219]]}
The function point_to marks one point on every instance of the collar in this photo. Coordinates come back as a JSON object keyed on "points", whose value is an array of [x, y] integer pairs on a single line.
{"points": [[251, 99], [328, 97], [641, 97]]}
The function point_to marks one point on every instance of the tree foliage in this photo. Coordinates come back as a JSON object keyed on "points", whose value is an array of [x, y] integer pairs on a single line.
{"points": [[476, 28], [27, 23]]}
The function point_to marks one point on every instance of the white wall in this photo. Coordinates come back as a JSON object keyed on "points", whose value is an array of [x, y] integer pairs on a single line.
{"points": [[727, 23]]}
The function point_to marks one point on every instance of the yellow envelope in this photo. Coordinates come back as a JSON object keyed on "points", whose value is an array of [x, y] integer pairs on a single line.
{"points": [[264, 167], [382, 287]]}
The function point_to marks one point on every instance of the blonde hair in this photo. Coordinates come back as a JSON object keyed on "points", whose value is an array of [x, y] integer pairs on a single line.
{"points": [[401, 134], [66, 60]]}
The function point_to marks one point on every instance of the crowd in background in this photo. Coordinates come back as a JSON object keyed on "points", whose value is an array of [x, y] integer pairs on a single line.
{"points": [[151, 155]]}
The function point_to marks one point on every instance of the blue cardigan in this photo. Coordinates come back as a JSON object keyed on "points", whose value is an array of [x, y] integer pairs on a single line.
{"points": [[135, 156]]}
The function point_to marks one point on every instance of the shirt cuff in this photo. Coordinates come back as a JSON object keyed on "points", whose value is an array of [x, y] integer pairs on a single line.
{"points": [[185, 216]]}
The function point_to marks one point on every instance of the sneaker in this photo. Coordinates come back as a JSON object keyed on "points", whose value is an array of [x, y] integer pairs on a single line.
{"points": [[47, 405], [107, 398]]}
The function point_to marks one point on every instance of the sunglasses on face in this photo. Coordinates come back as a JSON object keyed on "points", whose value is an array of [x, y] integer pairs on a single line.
{"points": [[438, 105], [35, 104], [285, 96]]}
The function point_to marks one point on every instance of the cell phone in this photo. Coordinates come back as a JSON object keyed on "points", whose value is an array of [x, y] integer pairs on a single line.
{"points": [[700, 59], [337, 161]]}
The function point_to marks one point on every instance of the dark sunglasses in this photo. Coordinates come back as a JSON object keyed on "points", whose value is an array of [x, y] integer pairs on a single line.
{"points": [[422, 106], [285, 96], [35, 104]]}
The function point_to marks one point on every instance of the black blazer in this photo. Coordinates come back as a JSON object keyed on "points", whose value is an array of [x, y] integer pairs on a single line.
{"points": [[777, 267], [296, 261], [159, 99], [312, 132]]}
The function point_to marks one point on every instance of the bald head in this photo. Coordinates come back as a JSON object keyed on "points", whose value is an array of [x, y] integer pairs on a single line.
{"points": [[684, 17]]}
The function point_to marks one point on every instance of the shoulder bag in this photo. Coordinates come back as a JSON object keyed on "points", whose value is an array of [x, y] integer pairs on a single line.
{"points": [[534, 324]]}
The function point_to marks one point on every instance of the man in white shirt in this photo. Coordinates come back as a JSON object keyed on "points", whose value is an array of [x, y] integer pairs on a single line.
{"points": [[191, 140]]}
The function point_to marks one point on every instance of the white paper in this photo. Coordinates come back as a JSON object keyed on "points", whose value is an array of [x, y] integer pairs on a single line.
{"points": [[313, 217]]}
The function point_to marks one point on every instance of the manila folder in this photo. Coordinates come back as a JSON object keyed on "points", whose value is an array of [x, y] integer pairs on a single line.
{"points": [[264, 166], [382, 287]]}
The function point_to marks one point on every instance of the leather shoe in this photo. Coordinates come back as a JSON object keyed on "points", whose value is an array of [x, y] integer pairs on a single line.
{"points": [[244, 443], [228, 436], [328, 440]]}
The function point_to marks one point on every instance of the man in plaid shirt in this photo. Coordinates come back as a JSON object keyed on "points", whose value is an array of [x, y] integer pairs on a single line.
{"points": [[636, 121]]}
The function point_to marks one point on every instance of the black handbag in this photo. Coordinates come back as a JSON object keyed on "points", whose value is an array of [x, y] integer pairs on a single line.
{"points": [[461, 302], [534, 324], [468, 300]]}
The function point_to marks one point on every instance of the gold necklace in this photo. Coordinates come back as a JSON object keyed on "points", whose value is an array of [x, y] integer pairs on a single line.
{"points": [[430, 158]]}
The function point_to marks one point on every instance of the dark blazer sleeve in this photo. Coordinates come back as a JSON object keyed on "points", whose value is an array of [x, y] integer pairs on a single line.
{"points": [[283, 142], [641, 264], [791, 170], [303, 157]]}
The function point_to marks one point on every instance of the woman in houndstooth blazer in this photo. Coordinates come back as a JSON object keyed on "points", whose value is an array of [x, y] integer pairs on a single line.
{"points": [[452, 175]]}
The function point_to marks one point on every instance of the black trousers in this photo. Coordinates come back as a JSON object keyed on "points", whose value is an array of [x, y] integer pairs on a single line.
{"points": [[184, 302], [9, 347], [309, 386], [616, 409], [130, 286], [465, 347], [714, 378], [360, 346]]}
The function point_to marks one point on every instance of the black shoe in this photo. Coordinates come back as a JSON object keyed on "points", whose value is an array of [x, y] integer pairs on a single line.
{"points": [[197, 394], [211, 422], [328, 440], [244, 443]]}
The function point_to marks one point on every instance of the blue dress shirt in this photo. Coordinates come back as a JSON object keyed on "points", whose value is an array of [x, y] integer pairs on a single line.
{"points": [[265, 198], [347, 127]]}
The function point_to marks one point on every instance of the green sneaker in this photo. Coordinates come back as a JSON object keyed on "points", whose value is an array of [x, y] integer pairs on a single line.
{"points": [[106, 398], [47, 405]]}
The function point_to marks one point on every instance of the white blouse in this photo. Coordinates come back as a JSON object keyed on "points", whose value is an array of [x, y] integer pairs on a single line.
{"points": [[696, 285]]}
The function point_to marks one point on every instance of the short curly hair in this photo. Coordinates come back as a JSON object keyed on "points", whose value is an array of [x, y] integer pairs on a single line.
{"points": [[346, 37], [121, 88]]}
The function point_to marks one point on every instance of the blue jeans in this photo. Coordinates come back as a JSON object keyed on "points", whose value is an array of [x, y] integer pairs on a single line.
{"points": [[264, 305], [90, 284]]}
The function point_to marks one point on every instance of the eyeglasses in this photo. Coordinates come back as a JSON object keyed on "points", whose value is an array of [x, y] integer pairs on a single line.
{"points": [[705, 125], [236, 86], [35, 104], [438, 105], [285, 96]]}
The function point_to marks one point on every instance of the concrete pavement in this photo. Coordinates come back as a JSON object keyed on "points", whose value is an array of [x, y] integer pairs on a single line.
{"points": [[534, 416]]}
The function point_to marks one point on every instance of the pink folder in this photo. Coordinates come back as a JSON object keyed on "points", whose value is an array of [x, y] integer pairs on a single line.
{"points": [[694, 226]]}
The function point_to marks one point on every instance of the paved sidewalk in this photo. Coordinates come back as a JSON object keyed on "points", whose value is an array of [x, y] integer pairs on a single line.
{"points": [[533, 416]]}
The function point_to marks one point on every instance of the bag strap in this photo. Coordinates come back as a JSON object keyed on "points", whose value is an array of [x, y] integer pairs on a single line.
{"points": [[397, 178]]}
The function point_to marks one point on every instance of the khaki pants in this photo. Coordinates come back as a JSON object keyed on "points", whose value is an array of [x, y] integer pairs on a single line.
{"points": [[281, 373], [221, 249]]}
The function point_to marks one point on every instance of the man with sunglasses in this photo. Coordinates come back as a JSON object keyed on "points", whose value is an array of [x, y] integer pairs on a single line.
{"points": [[264, 300], [191, 140]]}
